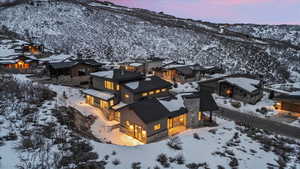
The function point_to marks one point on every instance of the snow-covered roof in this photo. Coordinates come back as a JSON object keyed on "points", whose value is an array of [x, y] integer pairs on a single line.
{"points": [[99, 94], [173, 104], [7, 61], [133, 85], [135, 64], [174, 66], [106, 74], [244, 83], [118, 106]]}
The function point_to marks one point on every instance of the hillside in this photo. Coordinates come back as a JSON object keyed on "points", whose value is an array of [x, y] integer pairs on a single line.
{"points": [[106, 31], [288, 33]]}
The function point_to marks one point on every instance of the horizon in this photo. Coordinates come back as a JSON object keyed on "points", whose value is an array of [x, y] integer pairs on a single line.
{"points": [[265, 12]]}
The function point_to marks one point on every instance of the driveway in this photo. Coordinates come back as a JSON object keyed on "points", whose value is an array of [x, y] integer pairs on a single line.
{"points": [[266, 124]]}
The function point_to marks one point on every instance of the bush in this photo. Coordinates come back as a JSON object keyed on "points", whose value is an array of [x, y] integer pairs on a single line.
{"points": [[163, 160], [180, 159], [136, 165], [236, 104], [116, 162], [175, 143], [196, 136], [192, 166]]}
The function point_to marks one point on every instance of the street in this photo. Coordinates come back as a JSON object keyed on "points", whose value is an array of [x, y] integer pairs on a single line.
{"points": [[266, 124]]}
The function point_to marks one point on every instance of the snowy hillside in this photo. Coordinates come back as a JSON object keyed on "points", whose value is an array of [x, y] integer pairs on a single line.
{"points": [[288, 33], [106, 31]]}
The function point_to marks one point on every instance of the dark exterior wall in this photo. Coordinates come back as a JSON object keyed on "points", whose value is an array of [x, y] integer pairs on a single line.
{"points": [[240, 94], [156, 135], [98, 83]]}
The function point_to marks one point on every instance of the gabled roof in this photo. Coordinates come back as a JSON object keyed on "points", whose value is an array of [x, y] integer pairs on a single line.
{"points": [[175, 105], [149, 110], [119, 76], [5, 62], [148, 84]]}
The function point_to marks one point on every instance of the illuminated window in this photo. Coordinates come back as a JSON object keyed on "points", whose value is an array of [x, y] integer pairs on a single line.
{"points": [[103, 104], [152, 92], [127, 123], [156, 127], [144, 133], [157, 91], [163, 90], [111, 102], [89, 99], [199, 115], [126, 96], [144, 94], [109, 85], [118, 87]]}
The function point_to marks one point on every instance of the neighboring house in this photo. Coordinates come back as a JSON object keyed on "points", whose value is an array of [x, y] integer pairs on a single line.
{"points": [[21, 63], [178, 72], [133, 67], [240, 88], [153, 119], [32, 49], [75, 71], [288, 102], [144, 66], [149, 87]]}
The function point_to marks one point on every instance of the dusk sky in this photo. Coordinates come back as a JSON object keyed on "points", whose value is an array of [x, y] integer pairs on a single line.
{"points": [[221, 11]]}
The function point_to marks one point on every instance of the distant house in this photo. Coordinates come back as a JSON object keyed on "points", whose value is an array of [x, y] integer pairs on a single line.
{"points": [[21, 62], [241, 88], [31, 48], [180, 73], [238, 87], [133, 67], [153, 119], [76, 71], [144, 66], [288, 102]]}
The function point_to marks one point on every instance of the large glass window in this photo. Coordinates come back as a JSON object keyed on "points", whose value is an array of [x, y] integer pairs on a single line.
{"points": [[103, 104], [156, 127], [89, 99], [109, 85]]}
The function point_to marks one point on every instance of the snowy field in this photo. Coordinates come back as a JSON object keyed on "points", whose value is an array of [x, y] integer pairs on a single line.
{"points": [[212, 147]]}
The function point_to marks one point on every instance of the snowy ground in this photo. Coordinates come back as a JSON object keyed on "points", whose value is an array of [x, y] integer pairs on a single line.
{"points": [[265, 102], [7, 47], [216, 146]]}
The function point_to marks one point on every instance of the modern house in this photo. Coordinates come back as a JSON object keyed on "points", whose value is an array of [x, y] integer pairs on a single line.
{"points": [[144, 66], [288, 102], [133, 67], [75, 71], [240, 88], [153, 119], [21, 62], [109, 83], [32, 49], [180, 73]]}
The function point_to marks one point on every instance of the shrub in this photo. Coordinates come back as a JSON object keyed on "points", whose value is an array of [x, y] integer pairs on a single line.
{"points": [[175, 143], [180, 159], [196, 136], [236, 104], [163, 160], [136, 165], [192, 166], [116, 162]]}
